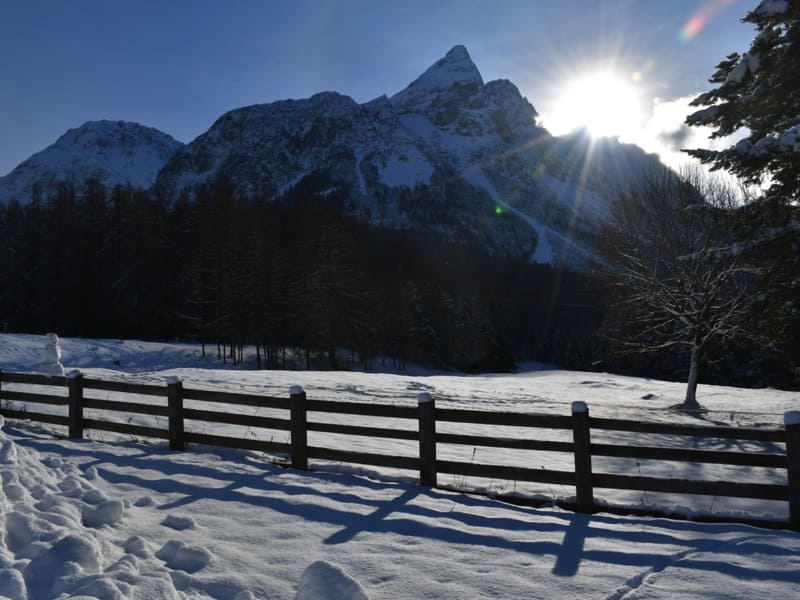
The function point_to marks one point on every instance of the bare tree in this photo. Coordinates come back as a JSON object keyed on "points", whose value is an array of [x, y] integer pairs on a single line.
{"points": [[679, 277]]}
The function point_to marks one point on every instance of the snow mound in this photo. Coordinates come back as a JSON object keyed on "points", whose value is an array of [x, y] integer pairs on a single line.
{"points": [[53, 544], [137, 546], [323, 581], [178, 555], [107, 513], [72, 558], [178, 523]]}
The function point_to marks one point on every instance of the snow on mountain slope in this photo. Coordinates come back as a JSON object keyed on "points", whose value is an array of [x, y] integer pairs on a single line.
{"points": [[113, 152], [397, 158], [561, 187], [267, 147], [488, 133], [454, 71], [410, 169], [439, 156], [452, 95], [569, 193], [553, 247]]}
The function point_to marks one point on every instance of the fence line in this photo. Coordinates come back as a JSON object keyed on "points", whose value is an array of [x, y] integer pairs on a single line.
{"points": [[425, 417]]}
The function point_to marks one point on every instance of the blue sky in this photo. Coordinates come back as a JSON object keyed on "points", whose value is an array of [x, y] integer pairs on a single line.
{"points": [[178, 65]]}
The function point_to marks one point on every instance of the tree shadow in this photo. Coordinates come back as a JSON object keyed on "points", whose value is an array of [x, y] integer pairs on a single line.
{"points": [[359, 505]]}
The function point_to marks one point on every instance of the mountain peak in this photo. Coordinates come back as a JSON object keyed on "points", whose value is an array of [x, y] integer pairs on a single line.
{"points": [[455, 68], [458, 52], [106, 132], [113, 152]]}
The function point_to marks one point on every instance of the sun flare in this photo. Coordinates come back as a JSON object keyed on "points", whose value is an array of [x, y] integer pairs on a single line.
{"points": [[603, 102]]}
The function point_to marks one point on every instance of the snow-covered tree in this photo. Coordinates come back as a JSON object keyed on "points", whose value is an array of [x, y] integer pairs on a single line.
{"points": [[760, 92], [680, 280]]}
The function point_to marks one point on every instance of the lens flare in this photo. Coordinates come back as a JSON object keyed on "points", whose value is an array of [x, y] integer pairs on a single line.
{"points": [[700, 19], [694, 26]]}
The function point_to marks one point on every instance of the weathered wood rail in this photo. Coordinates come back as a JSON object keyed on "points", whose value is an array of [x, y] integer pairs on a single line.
{"points": [[422, 420]]}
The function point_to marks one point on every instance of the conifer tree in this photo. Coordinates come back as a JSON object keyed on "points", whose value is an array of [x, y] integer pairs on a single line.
{"points": [[759, 91]]}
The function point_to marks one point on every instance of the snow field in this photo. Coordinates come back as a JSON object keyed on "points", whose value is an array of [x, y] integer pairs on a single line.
{"points": [[128, 518], [228, 525], [497, 456], [542, 391]]}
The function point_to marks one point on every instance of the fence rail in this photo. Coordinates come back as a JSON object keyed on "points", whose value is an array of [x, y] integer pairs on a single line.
{"points": [[420, 424]]}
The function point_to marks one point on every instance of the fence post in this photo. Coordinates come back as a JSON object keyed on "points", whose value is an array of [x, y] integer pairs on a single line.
{"points": [[427, 440], [175, 413], [791, 420], [297, 410], [75, 417], [583, 458]]}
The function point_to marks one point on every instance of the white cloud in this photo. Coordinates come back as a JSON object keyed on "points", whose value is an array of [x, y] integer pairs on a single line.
{"points": [[666, 134]]}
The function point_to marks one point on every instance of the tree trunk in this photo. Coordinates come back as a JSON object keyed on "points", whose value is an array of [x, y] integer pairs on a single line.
{"points": [[332, 362], [690, 401]]}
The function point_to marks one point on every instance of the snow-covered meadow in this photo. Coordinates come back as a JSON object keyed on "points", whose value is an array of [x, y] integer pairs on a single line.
{"points": [[123, 518]]}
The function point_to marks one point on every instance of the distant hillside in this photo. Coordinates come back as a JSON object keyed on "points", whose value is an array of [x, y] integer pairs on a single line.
{"points": [[112, 152]]}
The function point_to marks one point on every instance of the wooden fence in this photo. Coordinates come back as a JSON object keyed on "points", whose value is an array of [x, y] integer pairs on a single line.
{"points": [[423, 420]]}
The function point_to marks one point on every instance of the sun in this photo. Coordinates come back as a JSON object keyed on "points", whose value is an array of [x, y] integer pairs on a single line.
{"points": [[602, 101]]}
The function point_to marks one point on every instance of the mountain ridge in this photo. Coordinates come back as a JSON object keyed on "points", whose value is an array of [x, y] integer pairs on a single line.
{"points": [[448, 153]]}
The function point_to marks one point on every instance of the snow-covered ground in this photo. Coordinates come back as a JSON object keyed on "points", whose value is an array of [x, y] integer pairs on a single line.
{"points": [[124, 518]]}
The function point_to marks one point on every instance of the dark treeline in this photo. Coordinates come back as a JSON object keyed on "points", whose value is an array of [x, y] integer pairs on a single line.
{"points": [[295, 277]]}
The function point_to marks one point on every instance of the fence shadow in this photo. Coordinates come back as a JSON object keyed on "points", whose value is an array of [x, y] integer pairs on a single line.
{"points": [[426, 426], [359, 506]]}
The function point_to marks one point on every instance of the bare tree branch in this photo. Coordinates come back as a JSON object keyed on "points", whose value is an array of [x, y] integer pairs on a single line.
{"points": [[679, 277]]}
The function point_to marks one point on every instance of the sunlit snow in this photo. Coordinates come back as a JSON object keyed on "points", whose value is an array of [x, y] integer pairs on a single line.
{"points": [[125, 518]]}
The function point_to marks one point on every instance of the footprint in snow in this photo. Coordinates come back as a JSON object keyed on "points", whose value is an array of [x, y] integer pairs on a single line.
{"points": [[137, 546], [324, 581], [109, 512], [177, 555]]}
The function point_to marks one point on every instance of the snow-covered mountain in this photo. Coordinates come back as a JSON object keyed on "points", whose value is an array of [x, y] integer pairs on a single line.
{"points": [[113, 152], [448, 153]]}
